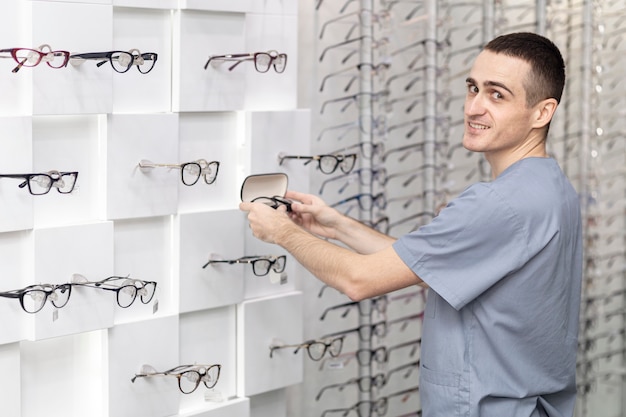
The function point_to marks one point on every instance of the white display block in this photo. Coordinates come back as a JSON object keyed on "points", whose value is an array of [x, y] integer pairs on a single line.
{"points": [[240, 6], [132, 192], [10, 379], [271, 90], [277, 7], [147, 4], [261, 322], [63, 376], [72, 90], [267, 135], [67, 143], [147, 31], [270, 133], [198, 35], [270, 404], [61, 252], [15, 268], [216, 343], [132, 345], [200, 235], [236, 407], [16, 211], [142, 250], [214, 136], [16, 97]]}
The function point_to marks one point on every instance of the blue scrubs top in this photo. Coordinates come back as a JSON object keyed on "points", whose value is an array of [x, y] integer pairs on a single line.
{"points": [[504, 265]]}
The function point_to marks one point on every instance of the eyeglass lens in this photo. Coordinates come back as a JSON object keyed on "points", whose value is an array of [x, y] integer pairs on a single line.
{"points": [[128, 292], [329, 163], [189, 380], [121, 61], [34, 299], [262, 267], [263, 62]]}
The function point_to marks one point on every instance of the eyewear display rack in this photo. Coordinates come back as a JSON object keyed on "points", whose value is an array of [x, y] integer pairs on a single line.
{"points": [[149, 205], [388, 82]]}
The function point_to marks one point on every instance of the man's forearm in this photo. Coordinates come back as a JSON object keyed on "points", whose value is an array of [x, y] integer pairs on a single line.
{"points": [[360, 237]]}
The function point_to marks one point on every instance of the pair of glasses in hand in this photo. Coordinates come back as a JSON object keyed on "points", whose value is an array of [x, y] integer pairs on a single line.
{"points": [[273, 202]]}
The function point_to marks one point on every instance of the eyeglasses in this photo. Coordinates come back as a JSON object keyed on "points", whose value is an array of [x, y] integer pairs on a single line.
{"points": [[126, 289], [263, 61], [315, 348], [364, 383], [373, 408], [33, 298], [365, 331], [189, 376], [26, 57], [144, 61], [41, 183], [378, 304], [326, 163], [366, 201], [273, 202], [364, 176], [261, 265], [190, 172], [121, 61]]}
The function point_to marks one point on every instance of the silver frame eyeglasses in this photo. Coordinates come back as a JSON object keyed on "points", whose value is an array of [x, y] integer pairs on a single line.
{"points": [[261, 265], [326, 163], [263, 61], [34, 297], [189, 376], [42, 183], [190, 172], [125, 288], [316, 348]]}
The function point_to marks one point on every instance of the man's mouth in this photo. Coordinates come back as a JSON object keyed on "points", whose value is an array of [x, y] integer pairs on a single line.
{"points": [[477, 126]]}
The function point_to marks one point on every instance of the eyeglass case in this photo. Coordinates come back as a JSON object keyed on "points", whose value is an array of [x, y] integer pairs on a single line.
{"points": [[264, 185]]}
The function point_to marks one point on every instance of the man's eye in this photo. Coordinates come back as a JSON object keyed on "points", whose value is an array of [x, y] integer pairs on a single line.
{"points": [[496, 95]]}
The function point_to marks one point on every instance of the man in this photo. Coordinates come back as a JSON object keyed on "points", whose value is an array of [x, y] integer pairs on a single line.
{"points": [[503, 261]]}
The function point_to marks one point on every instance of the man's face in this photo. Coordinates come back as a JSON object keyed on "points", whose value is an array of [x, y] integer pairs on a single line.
{"points": [[497, 121]]}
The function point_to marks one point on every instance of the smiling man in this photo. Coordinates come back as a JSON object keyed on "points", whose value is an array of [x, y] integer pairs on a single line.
{"points": [[503, 261]]}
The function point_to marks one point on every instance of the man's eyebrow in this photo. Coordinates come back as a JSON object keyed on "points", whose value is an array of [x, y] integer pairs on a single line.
{"points": [[470, 80]]}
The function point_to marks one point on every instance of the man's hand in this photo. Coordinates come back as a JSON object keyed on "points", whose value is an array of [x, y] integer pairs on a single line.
{"points": [[266, 222], [312, 214]]}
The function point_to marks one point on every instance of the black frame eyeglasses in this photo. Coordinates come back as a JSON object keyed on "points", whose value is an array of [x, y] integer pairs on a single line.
{"points": [[365, 307], [327, 164], [261, 265], [316, 348], [189, 376], [34, 297], [120, 61], [126, 289], [26, 57], [41, 183], [190, 172], [263, 61], [274, 202]]}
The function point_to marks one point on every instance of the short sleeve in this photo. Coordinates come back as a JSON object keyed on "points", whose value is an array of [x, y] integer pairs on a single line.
{"points": [[472, 244]]}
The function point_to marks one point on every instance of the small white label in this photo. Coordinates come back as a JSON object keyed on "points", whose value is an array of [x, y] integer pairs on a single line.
{"points": [[213, 396], [155, 306], [55, 314]]}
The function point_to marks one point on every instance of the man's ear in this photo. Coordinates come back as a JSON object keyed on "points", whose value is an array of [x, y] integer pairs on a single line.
{"points": [[544, 110]]}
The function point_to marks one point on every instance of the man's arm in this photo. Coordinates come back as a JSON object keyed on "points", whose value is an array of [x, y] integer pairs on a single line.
{"points": [[357, 275], [320, 219]]}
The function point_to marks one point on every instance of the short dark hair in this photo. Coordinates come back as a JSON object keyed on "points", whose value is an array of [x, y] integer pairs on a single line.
{"points": [[547, 74]]}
